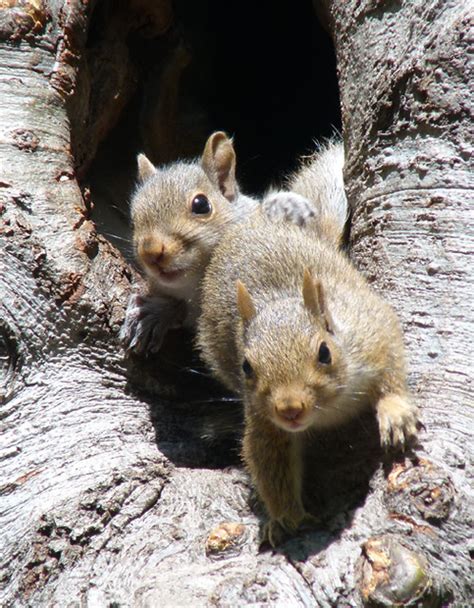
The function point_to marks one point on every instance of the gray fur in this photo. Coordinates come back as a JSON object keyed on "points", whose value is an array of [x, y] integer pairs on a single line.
{"points": [[322, 175], [160, 205]]}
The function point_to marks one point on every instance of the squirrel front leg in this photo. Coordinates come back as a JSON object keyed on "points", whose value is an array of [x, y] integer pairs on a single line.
{"points": [[273, 458], [397, 415], [147, 320], [397, 418]]}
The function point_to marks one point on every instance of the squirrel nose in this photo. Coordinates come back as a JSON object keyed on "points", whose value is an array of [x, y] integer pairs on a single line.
{"points": [[155, 257], [290, 411]]}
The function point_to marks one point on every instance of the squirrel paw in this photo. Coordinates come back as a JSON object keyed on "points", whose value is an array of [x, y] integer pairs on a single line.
{"points": [[397, 420], [274, 533], [147, 320], [277, 531], [288, 206]]}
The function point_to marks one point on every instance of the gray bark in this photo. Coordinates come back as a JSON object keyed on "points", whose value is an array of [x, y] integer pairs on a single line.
{"points": [[108, 495]]}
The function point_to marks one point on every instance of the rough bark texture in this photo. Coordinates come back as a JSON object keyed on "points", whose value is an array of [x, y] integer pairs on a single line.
{"points": [[108, 496], [408, 131]]}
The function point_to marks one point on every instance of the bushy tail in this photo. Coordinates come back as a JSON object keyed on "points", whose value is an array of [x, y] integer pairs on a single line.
{"points": [[320, 180]]}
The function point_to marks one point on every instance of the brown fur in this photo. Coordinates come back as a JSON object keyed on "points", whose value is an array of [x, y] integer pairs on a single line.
{"points": [[174, 245], [320, 180], [295, 292], [165, 229]]}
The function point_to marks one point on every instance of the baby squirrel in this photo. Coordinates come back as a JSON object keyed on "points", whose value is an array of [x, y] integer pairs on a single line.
{"points": [[180, 213], [288, 323]]}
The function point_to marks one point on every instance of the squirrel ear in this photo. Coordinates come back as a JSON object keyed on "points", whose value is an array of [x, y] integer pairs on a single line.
{"points": [[244, 303], [218, 161], [314, 300], [311, 293], [145, 168]]}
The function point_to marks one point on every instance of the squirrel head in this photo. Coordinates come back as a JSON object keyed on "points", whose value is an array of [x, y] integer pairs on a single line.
{"points": [[179, 211], [293, 369]]}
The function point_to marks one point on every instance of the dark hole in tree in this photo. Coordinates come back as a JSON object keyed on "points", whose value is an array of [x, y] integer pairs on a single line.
{"points": [[274, 83], [263, 72]]}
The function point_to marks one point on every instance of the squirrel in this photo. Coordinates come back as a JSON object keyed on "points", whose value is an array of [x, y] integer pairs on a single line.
{"points": [[180, 212], [289, 324]]}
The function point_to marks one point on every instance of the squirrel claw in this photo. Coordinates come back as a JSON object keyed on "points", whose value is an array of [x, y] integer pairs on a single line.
{"points": [[310, 521], [274, 533], [277, 531], [147, 321], [397, 420], [288, 206]]}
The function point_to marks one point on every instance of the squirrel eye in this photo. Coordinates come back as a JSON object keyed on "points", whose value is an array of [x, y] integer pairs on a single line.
{"points": [[247, 368], [201, 205], [324, 354]]}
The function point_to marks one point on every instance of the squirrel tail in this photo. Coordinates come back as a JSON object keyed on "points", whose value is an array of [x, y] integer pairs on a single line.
{"points": [[320, 180]]}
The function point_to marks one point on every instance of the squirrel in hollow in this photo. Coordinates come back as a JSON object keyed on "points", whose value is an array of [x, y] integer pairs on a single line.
{"points": [[180, 213], [289, 324]]}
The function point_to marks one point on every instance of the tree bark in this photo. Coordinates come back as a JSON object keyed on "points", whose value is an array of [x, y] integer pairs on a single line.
{"points": [[407, 122], [109, 496]]}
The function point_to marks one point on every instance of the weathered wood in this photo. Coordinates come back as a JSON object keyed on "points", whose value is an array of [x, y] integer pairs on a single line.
{"points": [[108, 495], [405, 90]]}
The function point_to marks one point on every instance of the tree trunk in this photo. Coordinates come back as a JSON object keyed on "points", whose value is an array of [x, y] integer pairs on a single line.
{"points": [[109, 496]]}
